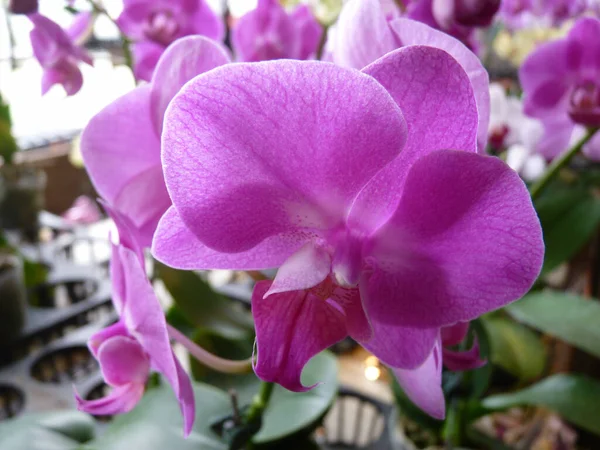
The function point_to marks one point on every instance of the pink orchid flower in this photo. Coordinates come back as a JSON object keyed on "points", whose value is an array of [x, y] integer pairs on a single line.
{"points": [[561, 87], [153, 25], [57, 52], [270, 32], [139, 342], [365, 188]]}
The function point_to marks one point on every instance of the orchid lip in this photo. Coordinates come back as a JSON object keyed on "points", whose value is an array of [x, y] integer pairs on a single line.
{"points": [[162, 27], [584, 107]]}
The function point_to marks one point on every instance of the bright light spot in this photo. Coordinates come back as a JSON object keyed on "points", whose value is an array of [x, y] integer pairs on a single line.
{"points": [[372, 373], [371, 361]]}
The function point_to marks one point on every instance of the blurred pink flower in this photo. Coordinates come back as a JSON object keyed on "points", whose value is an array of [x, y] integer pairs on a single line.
{"points": [[153, 25], [84, 211], [138, 342], [561, 87], [57, 52], [269, 32], [23, 6]]}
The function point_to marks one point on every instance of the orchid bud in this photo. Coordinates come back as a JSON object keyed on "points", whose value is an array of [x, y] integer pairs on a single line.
{"points": [[475, 13], [469, 13], [23, 6]]}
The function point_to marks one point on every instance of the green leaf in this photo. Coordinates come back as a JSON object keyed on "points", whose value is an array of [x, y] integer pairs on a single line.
{"points": [[204, 307], [214, 342], [479, 380], [59, 430], [156, 423], [574, 397], [35, 273], [515, 348], [573, 319], [8, 145], [291, 413], [569, 218], [5, 113]]}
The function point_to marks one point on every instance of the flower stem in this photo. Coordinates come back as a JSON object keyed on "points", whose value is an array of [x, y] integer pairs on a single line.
{"points": [[559, 163], [126, 43], [214, 362], [126, 46], [260, 401]]}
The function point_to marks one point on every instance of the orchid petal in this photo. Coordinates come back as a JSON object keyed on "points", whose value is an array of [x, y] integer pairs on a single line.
{"points": [[146, 322], [592, 148], [182, 61], [546, 66], [460, 361], [122, 399], [118, 145], [65, 73], [423, 385], [145, 199], [206, 22], [185, 398], [98, 338], [265, 33], [357, 322], [123, 361], [411, 32], [117, 279], [128, 233], [146, 55], [362, 35], [310, 32], [398, 346], [175, 245], [436, 98], [259, 163], [465, 240], [454, 334], [306, 268], [81, 25], [558, 134], [291, 328], [49, 41], [586, 32]]}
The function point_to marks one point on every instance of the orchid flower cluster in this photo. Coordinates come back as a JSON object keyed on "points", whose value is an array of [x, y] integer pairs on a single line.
{"points": [[352, 160]]}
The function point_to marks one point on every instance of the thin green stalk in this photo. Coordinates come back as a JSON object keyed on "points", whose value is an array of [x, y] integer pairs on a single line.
{"points": [[559, 163], [126, 43], [260, 402], [11, 38]]}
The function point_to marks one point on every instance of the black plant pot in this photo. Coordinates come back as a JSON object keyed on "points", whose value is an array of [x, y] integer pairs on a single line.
{"points": [[357, 421], [21, 199], [13, 297]]}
